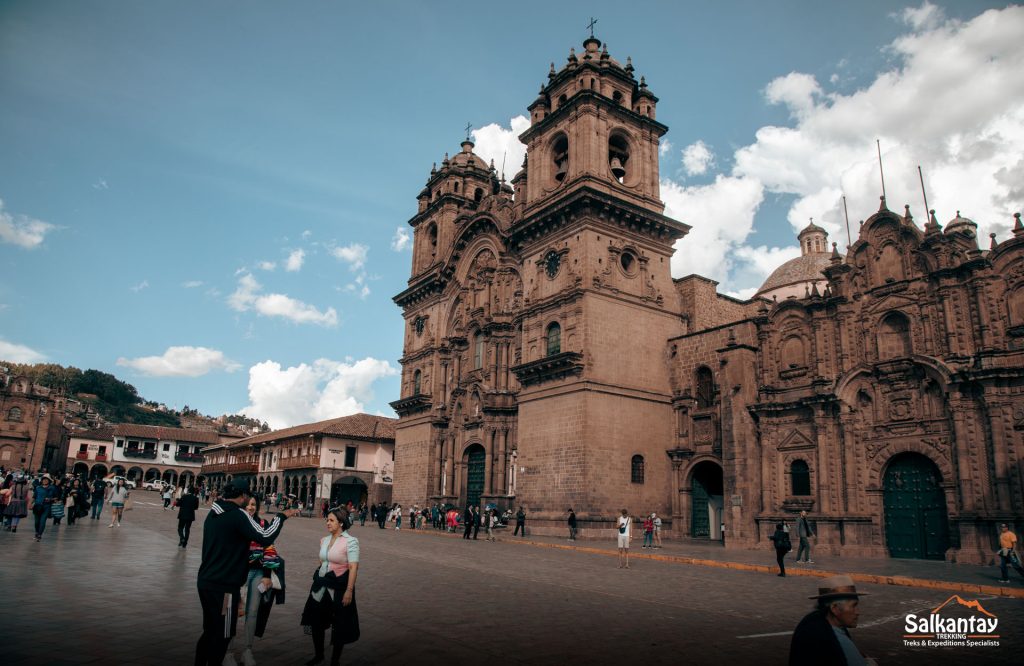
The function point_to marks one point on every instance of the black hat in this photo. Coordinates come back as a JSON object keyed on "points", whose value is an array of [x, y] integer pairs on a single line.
{"points": [[236, 488]]}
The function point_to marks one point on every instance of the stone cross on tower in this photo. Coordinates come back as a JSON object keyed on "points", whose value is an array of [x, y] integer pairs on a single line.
{"points": [[469, 126], [591, 26]]}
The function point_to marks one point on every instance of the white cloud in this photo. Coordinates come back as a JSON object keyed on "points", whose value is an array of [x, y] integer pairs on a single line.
{"points": [[722, 216], [925, 17], [295, 259], [267, 265], [181, 362], [796, 90], [140, 286], [192, 284], [324, 389], [948, 101], [697, 157], [950, 104], [248, 296], [353, 254], [494, 142], [401, 240], [15, 353], [306, 234], [23, 231], [100, 185], [664, 147]]}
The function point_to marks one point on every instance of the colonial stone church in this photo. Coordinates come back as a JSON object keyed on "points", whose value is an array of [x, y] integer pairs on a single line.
{"points": [[551, 361]]}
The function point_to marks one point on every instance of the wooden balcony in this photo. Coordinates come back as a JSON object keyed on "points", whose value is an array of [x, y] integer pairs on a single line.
{"points": [[140, 453], [189, 457], [230, 468], [82, 455], [311, 460]]}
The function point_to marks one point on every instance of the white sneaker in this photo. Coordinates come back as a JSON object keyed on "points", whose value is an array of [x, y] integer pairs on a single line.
{"points": [[247, 658], [229, 660], [110, 525]]}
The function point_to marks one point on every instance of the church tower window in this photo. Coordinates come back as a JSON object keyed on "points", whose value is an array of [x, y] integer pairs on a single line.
{"points": [[14, 414], [554, 339], [618, 156], [560, 157], [416, 377]]}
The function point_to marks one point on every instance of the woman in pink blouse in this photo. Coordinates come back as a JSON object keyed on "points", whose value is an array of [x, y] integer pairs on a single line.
{"points": [[332, 598]]}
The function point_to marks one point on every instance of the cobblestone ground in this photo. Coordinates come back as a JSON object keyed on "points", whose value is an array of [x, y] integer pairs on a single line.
{"points": [[88, 594]]}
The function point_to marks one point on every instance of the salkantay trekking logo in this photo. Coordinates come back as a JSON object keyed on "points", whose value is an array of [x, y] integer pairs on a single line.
{"points": [[975, 629]]}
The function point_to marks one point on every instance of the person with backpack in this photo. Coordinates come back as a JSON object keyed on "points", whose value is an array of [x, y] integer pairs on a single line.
{"points": [[805, 533], [782, 546], [625, 534], [99, 489]]}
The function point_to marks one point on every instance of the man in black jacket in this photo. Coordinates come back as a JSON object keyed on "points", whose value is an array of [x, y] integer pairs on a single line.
{"points": [[823, 636], [187, 506], [227, 533]]}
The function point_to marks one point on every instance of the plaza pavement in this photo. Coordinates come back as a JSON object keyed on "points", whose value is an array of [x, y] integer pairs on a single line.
{"points": [[91, 595]]}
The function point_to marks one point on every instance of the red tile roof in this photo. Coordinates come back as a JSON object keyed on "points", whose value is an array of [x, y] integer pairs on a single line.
{"points": [[161, 432], [357, 426], [105, 434]]}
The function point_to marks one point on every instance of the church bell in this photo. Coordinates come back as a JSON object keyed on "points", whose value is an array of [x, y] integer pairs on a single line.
{"points": [[560, 171], [617, 169]]}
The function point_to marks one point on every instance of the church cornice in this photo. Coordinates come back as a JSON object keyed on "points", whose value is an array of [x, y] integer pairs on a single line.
{"points": [[548, 368], [411, 405], [589, 202], [597, 98]]}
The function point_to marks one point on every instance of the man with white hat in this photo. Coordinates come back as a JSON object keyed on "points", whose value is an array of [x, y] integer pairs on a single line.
{"points": [[823, 636]]}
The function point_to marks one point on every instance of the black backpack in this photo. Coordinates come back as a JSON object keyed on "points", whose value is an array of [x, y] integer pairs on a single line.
{"points": [[783, 543]]}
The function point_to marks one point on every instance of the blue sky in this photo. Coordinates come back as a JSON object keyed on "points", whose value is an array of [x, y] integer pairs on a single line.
{"points": [[205, 198]]}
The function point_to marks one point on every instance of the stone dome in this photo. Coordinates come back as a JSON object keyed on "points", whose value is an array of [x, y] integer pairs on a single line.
{"points": [[962, 224], [796, 272]]}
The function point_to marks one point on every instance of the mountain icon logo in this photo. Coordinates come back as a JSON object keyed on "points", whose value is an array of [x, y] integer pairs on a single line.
{"points": [[974, 605]]}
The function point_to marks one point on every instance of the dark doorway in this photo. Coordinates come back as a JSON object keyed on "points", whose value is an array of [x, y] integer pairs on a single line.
{"points": [[916, 524], [348, 489], [476, 463], [706, 508]]}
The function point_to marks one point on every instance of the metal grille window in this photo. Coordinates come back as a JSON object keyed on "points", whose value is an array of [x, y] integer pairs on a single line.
{"points": [[637, 469]]}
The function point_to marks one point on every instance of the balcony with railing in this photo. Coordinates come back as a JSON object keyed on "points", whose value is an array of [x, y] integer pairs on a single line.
{"points": [[82, 455], [140, 453], [186, 457], [101, 457], [249, 467], [310, 460]]}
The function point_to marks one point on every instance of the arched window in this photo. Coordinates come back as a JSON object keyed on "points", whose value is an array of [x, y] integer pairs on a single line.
{"points": [[432, 233], [636, 469], [14, 414], [894, 337], [478, 194], [554, 336], [478, 351], [800, 478], [416, 382], [705, 388]]}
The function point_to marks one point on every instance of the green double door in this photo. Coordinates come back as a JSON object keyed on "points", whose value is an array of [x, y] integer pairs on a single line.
{"points": [[475, 468], [916, 524]]}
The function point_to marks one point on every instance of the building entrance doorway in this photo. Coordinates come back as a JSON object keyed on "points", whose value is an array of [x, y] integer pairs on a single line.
{"points": [[706, 506], [348, 489], [916, 524], [476, 462]]}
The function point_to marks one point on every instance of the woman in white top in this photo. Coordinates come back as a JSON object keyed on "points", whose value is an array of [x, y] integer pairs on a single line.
{"points": [[624, 536], [117, 496], [332, 598]]}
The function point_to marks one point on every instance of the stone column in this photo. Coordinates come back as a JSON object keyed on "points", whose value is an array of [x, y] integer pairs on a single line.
{"points": [[488, 459], [450, 467], [501, 460]]}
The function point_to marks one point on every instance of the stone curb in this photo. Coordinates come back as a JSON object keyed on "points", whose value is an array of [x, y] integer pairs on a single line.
{"points": [[874, 579]]}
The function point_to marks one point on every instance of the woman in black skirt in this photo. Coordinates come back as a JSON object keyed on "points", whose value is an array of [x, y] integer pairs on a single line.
{"points": [[332, 598]]}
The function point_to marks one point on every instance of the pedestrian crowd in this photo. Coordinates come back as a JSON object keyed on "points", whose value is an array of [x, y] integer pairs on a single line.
{"points": [[242, 574]]}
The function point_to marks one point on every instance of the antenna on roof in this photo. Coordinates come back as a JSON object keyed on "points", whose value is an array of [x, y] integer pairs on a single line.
{"points": [[923, 193], [878, 144], [846, 213]]}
